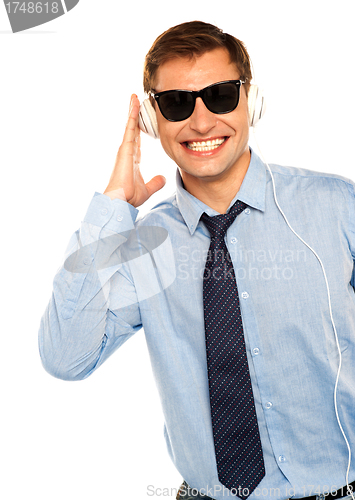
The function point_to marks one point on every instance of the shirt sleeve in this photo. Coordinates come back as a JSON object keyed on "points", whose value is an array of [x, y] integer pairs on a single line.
{"points": [[78, 330]]}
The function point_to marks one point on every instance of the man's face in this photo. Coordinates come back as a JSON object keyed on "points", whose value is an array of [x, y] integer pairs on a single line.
{"points": [[230, 131]]}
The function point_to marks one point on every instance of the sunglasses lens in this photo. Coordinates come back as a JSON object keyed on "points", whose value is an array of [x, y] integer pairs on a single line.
{"points": [[176, 106], [222, 98]]}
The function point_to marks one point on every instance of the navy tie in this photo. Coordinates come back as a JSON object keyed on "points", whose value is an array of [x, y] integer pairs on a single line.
{"points": [[239, 456]]}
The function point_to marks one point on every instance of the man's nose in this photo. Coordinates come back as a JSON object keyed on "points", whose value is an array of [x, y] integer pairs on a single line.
{"points": [[202, 120]]}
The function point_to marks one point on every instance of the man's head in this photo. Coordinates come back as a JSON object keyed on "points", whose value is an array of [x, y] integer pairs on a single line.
{"points": [[194, 39], [210, 147]]}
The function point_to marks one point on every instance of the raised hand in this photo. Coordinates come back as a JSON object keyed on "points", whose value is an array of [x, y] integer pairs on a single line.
{"points": [[126, 181]]}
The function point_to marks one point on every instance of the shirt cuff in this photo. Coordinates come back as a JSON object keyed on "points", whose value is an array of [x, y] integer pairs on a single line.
{"points": [[115, 215]]}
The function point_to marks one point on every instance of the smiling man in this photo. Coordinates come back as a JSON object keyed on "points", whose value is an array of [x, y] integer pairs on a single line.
{"points": [[244, 345], [210, 149]]}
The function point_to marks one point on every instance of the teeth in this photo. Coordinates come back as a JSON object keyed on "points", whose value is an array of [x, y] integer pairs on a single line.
{"points": [[205, 145]]}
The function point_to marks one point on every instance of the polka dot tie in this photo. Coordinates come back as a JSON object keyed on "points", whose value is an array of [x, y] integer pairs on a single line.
{"points": [[236, 436]]}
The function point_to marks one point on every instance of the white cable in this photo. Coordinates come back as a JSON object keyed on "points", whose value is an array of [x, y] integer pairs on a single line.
{"points": [[349, 492]]}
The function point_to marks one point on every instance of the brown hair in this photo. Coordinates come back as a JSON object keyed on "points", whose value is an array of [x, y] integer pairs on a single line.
{"points": [[191, 39]]}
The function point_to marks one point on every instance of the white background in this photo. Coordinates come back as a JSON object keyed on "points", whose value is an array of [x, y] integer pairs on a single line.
{"points": [[65, 89]]}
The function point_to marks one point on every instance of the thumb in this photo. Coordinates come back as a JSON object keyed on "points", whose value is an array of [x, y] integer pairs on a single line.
{"points": [[155, 184]]}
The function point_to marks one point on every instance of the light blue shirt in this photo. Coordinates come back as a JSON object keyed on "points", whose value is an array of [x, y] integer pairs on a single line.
{"points": [[106, 292]]}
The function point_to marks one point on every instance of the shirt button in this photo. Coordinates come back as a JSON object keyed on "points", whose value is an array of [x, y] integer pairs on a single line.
{"points": [[256, 351], [247, 211], [234, 240], [268, 405], [87, 262], [282, 458], [119, 218], [245, 295], [104, 211]]}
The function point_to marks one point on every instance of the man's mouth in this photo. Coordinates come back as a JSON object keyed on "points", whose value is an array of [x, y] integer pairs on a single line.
{"points": [[209, 145]]}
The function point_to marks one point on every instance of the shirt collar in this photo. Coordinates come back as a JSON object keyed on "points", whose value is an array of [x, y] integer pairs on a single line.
{"points": [[251, 192]]}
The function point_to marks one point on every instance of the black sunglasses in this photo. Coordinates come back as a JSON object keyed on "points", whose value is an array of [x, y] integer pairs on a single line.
{"points": [[219, 98]]}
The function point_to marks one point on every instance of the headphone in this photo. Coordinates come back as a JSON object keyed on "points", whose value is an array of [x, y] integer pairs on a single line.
{"points": [[148, 118]]}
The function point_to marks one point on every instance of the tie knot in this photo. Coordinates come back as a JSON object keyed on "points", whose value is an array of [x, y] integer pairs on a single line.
{"points": [[218, 224]]}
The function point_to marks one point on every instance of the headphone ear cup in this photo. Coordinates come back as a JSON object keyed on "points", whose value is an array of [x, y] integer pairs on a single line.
{"points": [[256, 105], [148, 119]]}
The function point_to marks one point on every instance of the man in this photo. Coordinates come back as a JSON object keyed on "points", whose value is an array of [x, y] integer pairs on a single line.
{"points": [[235, 308]]}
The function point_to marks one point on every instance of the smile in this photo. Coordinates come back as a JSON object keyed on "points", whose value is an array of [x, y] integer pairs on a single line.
{"points": [[205, 145]]}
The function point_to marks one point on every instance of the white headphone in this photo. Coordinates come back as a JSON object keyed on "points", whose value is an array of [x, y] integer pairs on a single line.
{"points": [[148, 118]]}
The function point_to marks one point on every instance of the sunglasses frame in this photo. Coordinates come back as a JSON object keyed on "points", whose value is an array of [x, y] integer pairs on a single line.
{"points": [[198, 93]]}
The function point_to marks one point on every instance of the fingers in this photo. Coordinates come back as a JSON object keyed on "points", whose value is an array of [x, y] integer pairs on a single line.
{"points": [[129, 150], [132, 128], [130, 147]]}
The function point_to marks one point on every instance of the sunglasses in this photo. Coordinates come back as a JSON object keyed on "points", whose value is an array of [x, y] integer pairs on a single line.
{"points": [[219, 98]]}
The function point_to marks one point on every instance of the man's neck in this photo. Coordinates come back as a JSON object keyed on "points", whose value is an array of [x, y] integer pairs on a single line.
{"points": [[218, 193]]}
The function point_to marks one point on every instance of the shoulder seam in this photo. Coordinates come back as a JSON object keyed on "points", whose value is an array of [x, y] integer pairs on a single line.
{"points": [[315, 174]]}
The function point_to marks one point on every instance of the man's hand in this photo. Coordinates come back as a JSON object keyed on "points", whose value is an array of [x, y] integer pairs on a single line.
{"points": [[126, 181]]}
